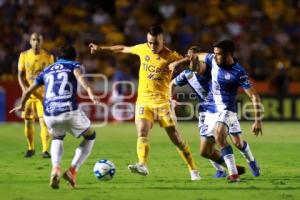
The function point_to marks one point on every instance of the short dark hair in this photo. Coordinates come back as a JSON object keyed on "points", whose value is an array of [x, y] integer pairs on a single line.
{"points": [[226, 46], [67, 52], [155, 30], [195, 49]]}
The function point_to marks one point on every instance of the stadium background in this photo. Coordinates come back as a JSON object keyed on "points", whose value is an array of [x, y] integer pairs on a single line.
{"points": [[267, 34]]}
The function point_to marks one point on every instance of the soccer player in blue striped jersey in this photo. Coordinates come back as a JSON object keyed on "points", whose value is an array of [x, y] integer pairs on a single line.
{"points": [[227, 75], [201, 87], [62, 113]]}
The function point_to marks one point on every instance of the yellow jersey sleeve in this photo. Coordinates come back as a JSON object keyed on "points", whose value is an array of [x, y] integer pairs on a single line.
{"points": [[21, 62], [137, 49], [175, 56]]}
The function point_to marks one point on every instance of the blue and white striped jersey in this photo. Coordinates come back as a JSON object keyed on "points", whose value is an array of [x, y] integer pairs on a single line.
{"points": [[198, 83], [225, 84], [60, 87]]}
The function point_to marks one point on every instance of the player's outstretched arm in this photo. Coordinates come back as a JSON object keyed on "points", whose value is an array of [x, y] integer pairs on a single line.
{"points": [[86, 86], [176, 63], [256, 102], [26, 94], [116, 48]]}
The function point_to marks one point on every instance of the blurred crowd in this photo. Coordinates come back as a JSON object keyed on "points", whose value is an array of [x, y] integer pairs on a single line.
{"points": [[267, 32]]}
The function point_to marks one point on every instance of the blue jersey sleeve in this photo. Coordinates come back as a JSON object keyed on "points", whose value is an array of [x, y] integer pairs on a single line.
{"points": [[39, 80], [209, 58], [181, 79], [244, 81]]}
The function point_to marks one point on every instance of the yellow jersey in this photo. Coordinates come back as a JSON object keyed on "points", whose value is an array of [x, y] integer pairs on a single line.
{"points": [[33, 64], [154, 73]]}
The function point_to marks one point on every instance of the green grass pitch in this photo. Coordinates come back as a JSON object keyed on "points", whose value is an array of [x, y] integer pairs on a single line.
{"points": [[278, 152]]}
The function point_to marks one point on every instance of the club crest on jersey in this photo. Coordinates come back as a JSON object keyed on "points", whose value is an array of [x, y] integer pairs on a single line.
{"points": [[227, 76], [147, 58], [27, 65]]}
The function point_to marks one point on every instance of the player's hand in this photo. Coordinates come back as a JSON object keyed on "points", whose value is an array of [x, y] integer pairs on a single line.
{"points": [[257, 128], [95, 99], [173, 103], [18, 108], [93, 48]]}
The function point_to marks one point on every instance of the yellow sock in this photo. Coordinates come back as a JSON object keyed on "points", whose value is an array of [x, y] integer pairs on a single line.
{"points": [[44, 136], [186, 154], [29, 133], [142, 149]]}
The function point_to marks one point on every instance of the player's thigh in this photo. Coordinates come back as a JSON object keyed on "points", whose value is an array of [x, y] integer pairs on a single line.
{"points": [[79, 123], [55, 126], [29, 110], [207, 145]]}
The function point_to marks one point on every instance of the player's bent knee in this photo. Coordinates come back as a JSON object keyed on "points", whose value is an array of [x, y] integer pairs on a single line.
{"points": [[238, 145], [90, 134]]}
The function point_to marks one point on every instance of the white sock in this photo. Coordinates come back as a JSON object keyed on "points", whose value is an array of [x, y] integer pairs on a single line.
{"points": [[57, 149], [82, 152], [230, 162], [216, 166], [246, 152]]}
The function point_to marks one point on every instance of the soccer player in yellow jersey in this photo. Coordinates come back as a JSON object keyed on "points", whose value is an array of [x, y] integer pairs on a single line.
{"points": [[153, 101], [31, 63]]}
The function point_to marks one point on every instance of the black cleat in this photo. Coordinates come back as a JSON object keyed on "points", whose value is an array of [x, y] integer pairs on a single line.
{"points": [[29, 153], [45, 154], [241, 170]]}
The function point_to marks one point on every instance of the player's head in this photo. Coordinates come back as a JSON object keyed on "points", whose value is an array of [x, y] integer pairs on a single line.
{"points": [[155, 39], [223, 51], [67, 52], [36, 41]]}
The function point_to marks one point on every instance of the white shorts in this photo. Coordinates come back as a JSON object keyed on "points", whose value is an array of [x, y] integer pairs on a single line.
{"points": [[226, 117], [74, 122]]}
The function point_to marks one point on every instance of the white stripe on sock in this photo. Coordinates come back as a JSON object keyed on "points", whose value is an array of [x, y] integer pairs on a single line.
{"points": [[230, 162], [82, 152], [57, 149]]}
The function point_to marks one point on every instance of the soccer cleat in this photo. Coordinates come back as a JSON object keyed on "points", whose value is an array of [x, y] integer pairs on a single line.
{"points": [[70, 176], [220, 174], [29, 153], [139, 169], [45, 154], [233, 178], [55, 178], [241, 170], [195, 176], [254, 168]]}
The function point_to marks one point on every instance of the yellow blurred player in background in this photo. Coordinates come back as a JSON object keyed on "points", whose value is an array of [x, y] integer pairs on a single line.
{"points": [[31, 63], [153, 101]]}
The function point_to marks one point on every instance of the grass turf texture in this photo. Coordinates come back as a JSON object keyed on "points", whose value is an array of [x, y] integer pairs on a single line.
{"points": [[277, 153]]}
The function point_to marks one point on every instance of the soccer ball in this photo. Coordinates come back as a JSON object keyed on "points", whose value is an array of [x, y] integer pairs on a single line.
{"points": [[104, 170]]}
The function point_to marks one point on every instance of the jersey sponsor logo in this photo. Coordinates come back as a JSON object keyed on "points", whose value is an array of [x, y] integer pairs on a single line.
{"points": [[153, 77], [153, 69]]}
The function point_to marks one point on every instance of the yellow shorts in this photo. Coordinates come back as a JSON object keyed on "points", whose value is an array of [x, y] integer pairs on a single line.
{"points": [[156, 112], [33, 109]]}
